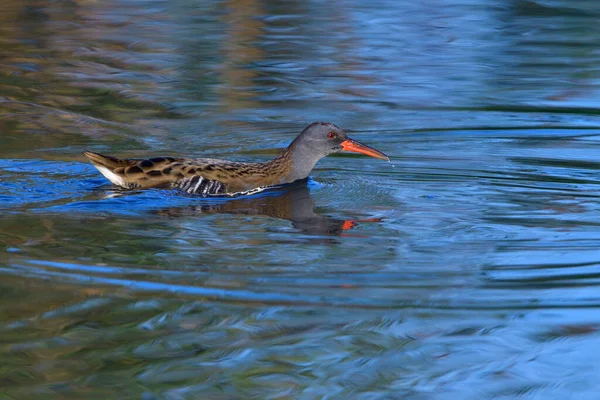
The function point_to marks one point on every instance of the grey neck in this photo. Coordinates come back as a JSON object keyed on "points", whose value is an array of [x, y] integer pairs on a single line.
{"points": [[295, 162], [303, 158]]}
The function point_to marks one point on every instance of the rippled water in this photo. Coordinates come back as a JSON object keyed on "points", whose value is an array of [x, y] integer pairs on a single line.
{"points": [[466, 268]]}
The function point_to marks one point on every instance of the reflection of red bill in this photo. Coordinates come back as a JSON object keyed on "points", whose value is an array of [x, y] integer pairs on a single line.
{"points": [[356, 147], [348, 225], [351, 223]]}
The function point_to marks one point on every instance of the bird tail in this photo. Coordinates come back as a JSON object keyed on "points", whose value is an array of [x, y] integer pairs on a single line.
{"points": [[112, 168], [106, 161]]}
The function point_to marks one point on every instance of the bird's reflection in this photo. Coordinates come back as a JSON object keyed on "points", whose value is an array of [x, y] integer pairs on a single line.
{"points": [[291, 202]]}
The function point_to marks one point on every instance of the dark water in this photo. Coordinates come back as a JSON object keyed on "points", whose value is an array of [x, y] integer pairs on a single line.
{"points": [[467, 268]]}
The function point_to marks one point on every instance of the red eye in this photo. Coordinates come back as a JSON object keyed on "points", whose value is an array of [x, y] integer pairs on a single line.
{"points": [[331, 135]]}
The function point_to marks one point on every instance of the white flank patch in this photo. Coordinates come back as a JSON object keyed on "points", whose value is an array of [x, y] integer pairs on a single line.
{"points": [[200, 179], [247, 192], [111, 176]]}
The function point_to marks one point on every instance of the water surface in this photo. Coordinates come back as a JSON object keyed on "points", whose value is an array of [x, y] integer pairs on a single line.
{"points": [[466, 268]]}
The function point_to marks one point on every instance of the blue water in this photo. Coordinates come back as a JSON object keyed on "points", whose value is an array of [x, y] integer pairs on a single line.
{"points": [[466, 268]]}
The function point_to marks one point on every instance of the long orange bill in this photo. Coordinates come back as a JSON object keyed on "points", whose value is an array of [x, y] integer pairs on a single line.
{"points": [[356, 147]]}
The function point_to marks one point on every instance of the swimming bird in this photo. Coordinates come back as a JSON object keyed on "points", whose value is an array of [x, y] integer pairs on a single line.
{"points": [[209, 176]]}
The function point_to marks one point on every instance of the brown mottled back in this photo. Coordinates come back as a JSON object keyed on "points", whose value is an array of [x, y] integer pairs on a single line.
{"points": [[205, 176]]}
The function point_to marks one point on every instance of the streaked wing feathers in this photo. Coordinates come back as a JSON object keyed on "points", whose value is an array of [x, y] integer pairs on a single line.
{"points": [[204, 176]]}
